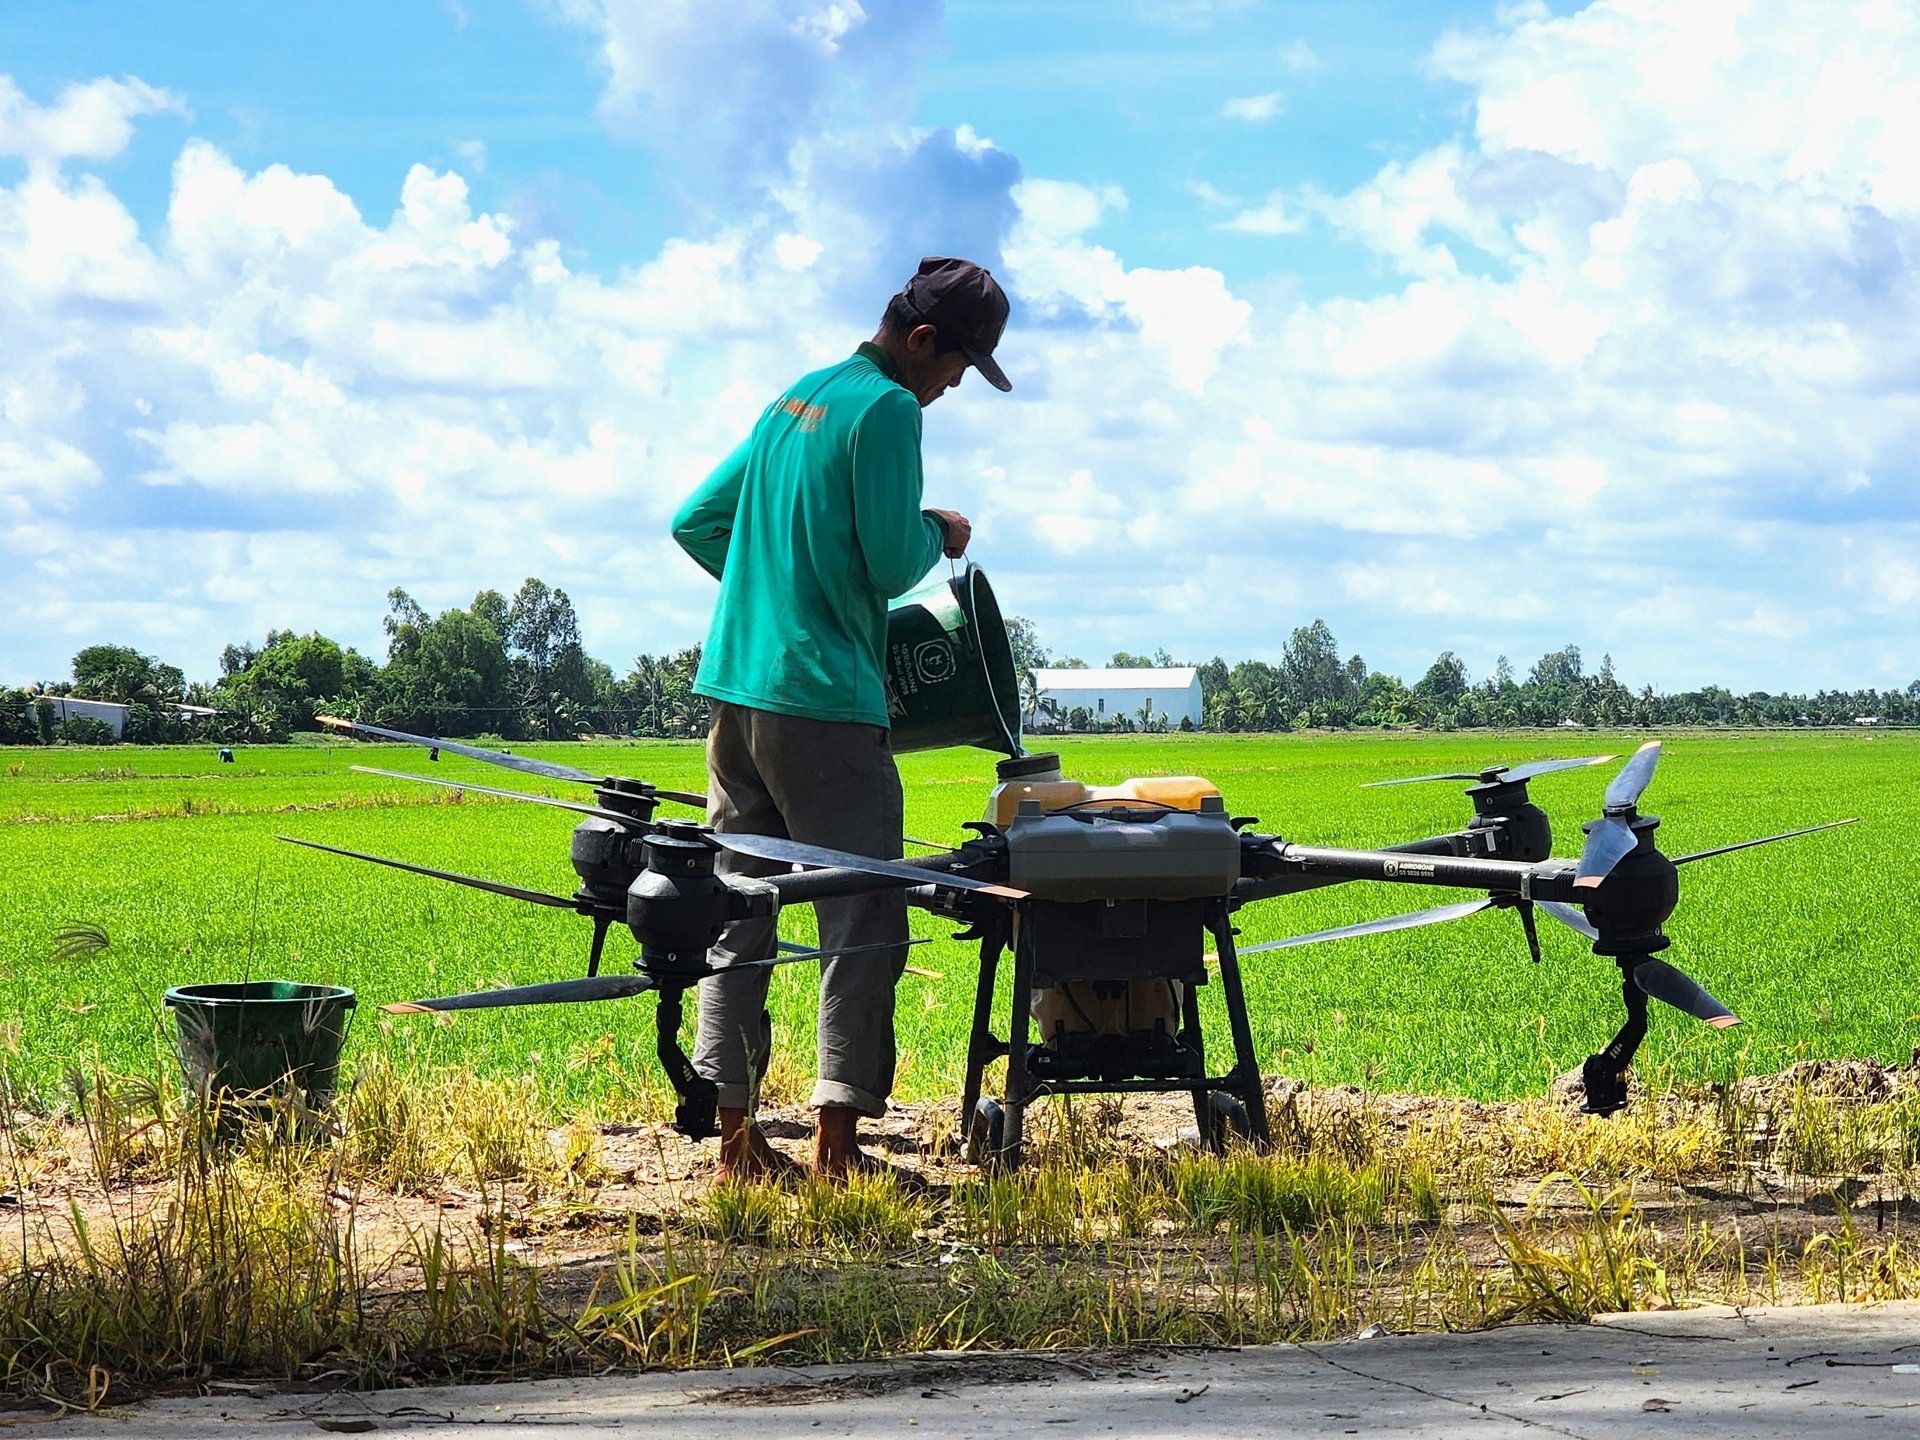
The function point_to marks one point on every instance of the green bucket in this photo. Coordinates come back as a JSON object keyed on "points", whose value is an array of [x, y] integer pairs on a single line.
{"points": [[950, 676], [243, 1043]]}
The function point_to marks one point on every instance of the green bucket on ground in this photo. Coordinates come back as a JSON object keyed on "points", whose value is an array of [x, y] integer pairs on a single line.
{"points": [[243, 1044], [949, 669]]}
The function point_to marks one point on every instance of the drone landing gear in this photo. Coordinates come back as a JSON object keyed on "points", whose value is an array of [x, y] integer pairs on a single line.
{"points": [[1604, 1076], [697, 1116], [1225, 1106]]}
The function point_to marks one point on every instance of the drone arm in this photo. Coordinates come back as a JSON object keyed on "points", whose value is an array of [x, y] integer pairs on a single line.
{"points": [[804, 887], [1428, 865], [808, 886], [1268, 868]]}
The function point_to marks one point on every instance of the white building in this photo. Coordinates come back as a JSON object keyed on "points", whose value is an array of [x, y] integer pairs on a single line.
{"points": [[1169, 695], [113, 716]]}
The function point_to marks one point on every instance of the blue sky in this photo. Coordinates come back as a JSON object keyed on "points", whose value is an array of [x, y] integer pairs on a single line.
{"points": [[1465, 328]]}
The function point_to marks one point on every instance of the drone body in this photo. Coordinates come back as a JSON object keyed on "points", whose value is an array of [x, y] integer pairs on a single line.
{"points": [[1106, 901]]}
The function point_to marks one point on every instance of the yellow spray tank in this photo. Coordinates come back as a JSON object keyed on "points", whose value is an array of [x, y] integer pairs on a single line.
{"points": [[1038, 777], [1032, 786]]}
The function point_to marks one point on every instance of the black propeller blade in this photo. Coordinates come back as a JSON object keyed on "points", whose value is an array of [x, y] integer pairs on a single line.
{"points": [[1675, 988], [1768, 840], [1610, 839], [554, 992], [557, 804], [1626, 787], [523, 763], [792, 852], [1570, 916], [1502, 774], [494, 886], [1410, 921], [606, 987], [792, 953]]}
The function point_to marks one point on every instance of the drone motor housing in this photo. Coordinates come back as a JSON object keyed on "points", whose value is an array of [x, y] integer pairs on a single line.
{"points": [[678, 906], [1506, 824], [1636, 898], [607, 857]]}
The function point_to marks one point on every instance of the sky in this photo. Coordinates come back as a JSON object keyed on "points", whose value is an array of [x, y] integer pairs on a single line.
{"points": [[1469, 328]]}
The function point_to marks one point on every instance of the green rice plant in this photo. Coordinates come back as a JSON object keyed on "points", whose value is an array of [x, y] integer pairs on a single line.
{"points": [[745, 1214], [657, 1312], [1272, 1193], [404, 1133], [1602, 1266], [868, 1213], [176, 892]]}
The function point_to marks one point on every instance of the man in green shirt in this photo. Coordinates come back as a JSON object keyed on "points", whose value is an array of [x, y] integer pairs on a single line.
{"points": [[812, 525]]}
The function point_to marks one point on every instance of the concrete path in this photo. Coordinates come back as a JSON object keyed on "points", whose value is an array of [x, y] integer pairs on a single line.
{"points": [[1800, 1373]]}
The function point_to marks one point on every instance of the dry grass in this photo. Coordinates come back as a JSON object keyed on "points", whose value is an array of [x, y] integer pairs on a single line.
{"points": [[456, 1230]]}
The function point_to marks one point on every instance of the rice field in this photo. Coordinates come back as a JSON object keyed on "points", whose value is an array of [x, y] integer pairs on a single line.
{"points": [[1812, 941]]}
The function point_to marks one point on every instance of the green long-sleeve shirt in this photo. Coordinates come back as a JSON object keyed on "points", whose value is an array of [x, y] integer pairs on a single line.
{"points": [[811, 526]]}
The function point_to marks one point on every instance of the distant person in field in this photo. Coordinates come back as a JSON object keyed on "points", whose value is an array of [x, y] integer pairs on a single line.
{"points": [[812, 525]]}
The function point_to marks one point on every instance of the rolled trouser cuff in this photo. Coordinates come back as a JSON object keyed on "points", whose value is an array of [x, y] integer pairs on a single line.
{"points": [[847, 1097], [734, 1097]]}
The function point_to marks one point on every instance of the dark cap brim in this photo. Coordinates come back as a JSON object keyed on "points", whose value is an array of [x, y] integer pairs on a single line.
{"points": [[988, 367]]}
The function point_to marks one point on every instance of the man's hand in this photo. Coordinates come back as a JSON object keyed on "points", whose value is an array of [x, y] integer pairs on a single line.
{"points": [[959, 532]]}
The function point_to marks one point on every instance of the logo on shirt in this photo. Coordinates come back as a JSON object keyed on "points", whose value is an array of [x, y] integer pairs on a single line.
{"points": [[809, 416]]}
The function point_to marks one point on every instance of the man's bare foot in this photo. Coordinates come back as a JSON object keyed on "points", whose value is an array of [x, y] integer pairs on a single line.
{"points": [[837, 1155], [746, 1155]]}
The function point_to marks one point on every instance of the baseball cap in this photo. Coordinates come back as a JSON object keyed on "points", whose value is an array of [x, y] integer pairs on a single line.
{"points": [[966, 304]]}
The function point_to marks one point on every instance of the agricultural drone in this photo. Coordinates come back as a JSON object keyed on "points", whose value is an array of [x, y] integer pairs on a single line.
{"points": [[1105, 900]]}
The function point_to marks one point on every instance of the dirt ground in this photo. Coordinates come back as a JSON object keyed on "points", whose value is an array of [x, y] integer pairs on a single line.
{"points": [[645, 1178]]}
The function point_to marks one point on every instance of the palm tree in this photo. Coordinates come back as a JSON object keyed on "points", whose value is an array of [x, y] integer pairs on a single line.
{"points": [[1029, 694]]}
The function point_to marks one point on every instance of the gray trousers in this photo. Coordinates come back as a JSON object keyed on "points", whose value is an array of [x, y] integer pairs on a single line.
{"points": [[820, 783]]}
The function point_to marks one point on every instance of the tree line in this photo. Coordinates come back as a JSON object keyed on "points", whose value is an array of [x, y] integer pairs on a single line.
{"points": [[515, 669]]}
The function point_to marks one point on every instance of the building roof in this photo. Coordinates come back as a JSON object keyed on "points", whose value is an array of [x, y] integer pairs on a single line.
{"points": [[1177, 678]]}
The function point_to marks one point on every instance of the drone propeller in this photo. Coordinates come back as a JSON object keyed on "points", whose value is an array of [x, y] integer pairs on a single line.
{"points": [[555, 802], [554, 992], [1410, 921], [792, 852], [1570, 916], [1497, 774], [1663, 982], [807, 952], [514, 892], [605, 987], [524, 763], [1767, 840], [1610, 839]]}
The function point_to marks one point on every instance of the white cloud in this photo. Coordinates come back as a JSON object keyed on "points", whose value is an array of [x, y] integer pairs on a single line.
{"points": [[744, 89], [1278, 216], [1637, 377], [1805, 92], [1254, 108], [93, 121], [1299, 58], [1185, 319]]}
